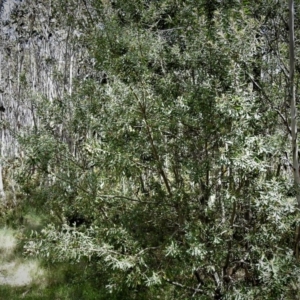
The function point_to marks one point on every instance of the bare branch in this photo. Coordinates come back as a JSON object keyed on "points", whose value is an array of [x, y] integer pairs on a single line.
{"points": [[195, 290]]}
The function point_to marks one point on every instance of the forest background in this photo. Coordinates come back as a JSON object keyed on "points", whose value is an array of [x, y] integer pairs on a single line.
{"points": [[157, 141]]}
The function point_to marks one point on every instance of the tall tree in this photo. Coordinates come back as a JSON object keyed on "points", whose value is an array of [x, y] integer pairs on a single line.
{"points": [[294, 114]]}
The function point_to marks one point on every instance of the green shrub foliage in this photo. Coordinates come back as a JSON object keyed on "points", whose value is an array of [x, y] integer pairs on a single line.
{"points": [[165, 166]]}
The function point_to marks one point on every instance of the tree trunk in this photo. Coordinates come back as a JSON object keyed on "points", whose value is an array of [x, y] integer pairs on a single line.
{"points": [[294, 116]]}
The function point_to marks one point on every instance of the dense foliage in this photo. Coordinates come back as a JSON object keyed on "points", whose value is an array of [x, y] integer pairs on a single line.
{"points": [[162, 162]]}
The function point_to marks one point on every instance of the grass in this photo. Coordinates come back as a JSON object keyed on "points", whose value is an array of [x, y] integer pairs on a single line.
{"points": [[59, 292], [8, 242], [31, 279]]}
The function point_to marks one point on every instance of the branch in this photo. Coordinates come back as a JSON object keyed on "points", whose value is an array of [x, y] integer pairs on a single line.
{"points": [[290, 164], [286, 123], [146, 249], [270, 102], [126, 198], [154, 150], [281, 63], [87, 9], [195, 290]]}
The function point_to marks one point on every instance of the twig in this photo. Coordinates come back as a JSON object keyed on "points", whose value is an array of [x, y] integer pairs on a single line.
{"points": [[154, 150], [290, 164], [126, 198], [284, 121], [195, 290], [270, 102]]}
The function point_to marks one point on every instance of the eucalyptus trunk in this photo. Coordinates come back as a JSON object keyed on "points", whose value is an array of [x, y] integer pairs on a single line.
{"points": [[294, 116]]}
